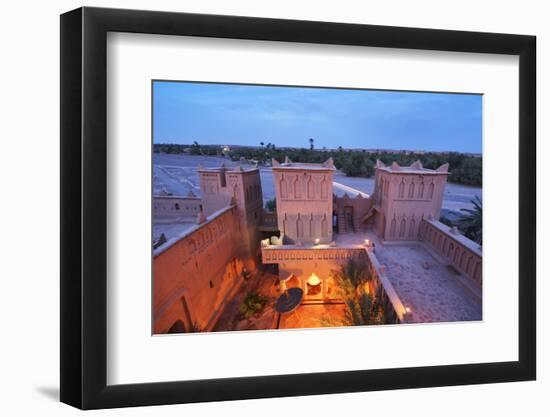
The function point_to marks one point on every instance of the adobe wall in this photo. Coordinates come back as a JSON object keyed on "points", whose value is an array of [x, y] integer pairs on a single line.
{"points": [[269, 219], [201, 270], [221, 187], [216, 194], [247, 193], [175, 206], [302, 263], [304, 204], [459, 251], [361, 207], [404, 199], [386, 294]]}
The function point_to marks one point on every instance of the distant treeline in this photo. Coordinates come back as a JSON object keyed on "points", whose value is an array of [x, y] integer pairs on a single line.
{"points": [[464, 168]]}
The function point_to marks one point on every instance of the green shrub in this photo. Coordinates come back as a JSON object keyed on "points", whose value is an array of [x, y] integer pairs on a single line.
{"points": [[271, 205], [252, 304]]}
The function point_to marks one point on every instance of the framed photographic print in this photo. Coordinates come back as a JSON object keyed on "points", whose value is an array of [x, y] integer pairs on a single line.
{"points": [[258, 207]]}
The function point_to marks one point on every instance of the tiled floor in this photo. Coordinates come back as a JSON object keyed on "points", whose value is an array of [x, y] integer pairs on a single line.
{"points": [[430, 289]]}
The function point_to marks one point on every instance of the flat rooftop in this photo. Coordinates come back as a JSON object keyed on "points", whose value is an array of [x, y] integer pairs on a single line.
{"points": [[328, 165], [223, 168], [431, 289]]}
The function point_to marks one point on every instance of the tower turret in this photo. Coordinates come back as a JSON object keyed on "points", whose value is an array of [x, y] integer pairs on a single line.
{"points": [[405, 195]]}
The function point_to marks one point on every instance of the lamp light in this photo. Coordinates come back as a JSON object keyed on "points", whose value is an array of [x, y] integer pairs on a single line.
{"points": [[313, 280]]}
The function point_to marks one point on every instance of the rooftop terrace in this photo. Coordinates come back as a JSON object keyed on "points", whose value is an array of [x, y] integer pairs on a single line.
{"points": [[414, 168], [431, 289]]}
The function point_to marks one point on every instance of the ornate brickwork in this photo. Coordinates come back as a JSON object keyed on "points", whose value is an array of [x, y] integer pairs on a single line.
{"points": [[304, 201]]}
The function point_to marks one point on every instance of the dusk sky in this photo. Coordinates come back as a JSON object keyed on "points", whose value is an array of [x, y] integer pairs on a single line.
{"points": [[288, 116]]}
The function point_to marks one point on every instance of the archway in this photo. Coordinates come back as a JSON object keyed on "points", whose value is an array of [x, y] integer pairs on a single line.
{"points": [[292, 282]]}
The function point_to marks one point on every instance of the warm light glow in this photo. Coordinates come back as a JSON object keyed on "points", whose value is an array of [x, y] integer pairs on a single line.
{"points": [[367, 288], [317, 241], [313, 280], [407, 309]]}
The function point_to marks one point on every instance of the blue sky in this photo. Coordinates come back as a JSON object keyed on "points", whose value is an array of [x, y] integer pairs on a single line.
{"points": [[288, 116]]}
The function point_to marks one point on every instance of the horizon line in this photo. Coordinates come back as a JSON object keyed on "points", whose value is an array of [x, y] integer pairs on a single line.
{"points": [[323, 149]]}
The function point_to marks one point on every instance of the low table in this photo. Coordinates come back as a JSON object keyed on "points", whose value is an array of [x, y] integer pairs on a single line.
{"points": [[289, 300]]}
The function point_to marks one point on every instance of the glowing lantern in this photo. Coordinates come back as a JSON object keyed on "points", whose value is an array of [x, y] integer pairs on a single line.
{"points": [[313, 280]]}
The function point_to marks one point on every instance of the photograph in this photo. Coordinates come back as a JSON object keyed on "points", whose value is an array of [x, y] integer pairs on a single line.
{"points": [[299, 207], [275, 209]]}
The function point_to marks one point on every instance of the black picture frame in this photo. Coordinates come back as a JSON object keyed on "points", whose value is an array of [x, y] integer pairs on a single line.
{"points": [[84, 207]]}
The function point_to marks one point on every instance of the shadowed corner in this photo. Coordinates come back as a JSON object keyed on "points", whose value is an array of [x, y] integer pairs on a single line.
{"points": [[50, 392]]}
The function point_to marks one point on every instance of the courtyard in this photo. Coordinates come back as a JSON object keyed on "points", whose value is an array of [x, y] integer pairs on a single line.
{"points": [[307, 315], [426, 285]]}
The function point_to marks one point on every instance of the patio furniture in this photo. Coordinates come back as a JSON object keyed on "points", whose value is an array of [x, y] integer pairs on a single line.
{"points": [[289, 301]]}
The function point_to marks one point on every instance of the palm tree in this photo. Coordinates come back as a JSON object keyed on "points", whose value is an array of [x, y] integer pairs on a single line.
{"points": [[350, 279], [195, 148], [471, 224], [261, 144], [311, 140]]}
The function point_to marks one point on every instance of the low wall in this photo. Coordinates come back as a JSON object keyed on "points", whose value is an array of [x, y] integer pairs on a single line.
{"points": [[459, 251], [386, 294], [269, 219], [276, 254], [303, 262], [175, 206], [199, 270]]}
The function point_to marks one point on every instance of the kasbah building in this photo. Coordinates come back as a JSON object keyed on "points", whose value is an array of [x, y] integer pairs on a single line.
{"points": [[424, 270]]}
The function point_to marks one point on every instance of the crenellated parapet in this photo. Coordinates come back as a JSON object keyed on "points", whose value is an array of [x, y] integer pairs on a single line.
{"points": [[462, 253]]}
